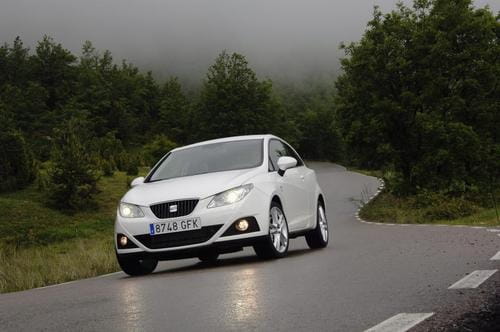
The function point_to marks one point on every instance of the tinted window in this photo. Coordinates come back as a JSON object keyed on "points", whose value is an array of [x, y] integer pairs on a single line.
{"points": [[216, 157], [279, 149]]}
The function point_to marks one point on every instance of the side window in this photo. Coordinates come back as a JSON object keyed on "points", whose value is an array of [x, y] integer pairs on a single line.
{"points": [[276, 150], [279, 149], [271, 167], [291, 153]]}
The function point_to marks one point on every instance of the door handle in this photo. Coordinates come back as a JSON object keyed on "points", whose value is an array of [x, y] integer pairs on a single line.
{"points": [[302, 177]]}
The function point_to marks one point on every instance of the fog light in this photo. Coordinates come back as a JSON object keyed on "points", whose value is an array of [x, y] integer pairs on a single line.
{"points": [[242, 225], [123, 241]]}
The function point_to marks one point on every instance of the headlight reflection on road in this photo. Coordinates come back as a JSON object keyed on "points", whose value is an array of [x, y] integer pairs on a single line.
{"points": [[244, 296], [132, 306]]}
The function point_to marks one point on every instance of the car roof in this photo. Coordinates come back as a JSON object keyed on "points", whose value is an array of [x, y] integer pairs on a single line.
{"points": [[227, 139]]}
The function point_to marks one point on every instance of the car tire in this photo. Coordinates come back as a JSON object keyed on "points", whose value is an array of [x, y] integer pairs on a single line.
{"points": [[276, 243], [136, 266], [318, 237], [209, 257]]}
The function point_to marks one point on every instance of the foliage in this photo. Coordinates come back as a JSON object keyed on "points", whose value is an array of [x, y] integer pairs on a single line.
{"points": [[312, 124], [420, 94], [174, 113], [429, 207], [17, 168], [132, 166], [126, 109], [234, 102], [74, 174], [157, 148]]}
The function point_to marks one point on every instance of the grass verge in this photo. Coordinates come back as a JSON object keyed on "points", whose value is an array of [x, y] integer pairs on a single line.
{"points": [[40, 246], [389, 208], [55, 263]]}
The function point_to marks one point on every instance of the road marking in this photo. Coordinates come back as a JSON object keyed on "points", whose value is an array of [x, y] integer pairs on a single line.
{"points": [[496, 257], [473, 280], [494, 230], [78, 280], [400, 322]]}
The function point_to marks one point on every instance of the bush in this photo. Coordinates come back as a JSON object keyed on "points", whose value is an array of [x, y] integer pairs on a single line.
{"points": [[441, 207], [132, 166], [73, 178], [108, 167], [157, 148], [42, 180], [17, 167]]}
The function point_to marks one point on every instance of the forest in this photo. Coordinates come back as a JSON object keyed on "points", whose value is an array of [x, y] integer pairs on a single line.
{"points": [[417, 99]]}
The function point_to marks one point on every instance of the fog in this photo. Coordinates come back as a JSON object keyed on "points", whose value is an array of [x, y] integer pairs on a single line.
{"points": [[282, 39]]}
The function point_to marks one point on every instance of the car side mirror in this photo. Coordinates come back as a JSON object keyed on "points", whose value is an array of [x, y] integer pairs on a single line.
{"points": [[285, 163], [137, 181]]}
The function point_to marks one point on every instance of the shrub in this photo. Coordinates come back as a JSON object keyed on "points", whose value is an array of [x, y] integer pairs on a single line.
{"points": [[132, 166], [108, 167], [73, 178], [449, 208], [42, 180], [157, 148], [17, 167]]}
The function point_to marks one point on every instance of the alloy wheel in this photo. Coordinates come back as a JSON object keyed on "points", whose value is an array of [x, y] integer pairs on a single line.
{"points": [[323, 223], [278, 229]]}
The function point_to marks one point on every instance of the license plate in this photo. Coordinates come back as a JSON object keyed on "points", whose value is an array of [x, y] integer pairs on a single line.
{"points": [[174, 226]]}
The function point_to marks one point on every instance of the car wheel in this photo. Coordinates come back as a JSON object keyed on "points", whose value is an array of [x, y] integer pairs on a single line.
{"points": [[276, 243], [318, 237], [209, 257], [135, 266]]}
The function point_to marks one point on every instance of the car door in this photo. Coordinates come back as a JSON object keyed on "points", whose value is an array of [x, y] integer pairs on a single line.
{"points": [[296, 201], [307, 184]]}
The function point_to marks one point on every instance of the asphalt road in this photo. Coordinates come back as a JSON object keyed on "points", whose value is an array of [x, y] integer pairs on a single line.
{"points": [[368, 274]]}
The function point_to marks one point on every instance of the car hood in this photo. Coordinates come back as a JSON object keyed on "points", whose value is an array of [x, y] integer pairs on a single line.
{"points": [[195, 186]]}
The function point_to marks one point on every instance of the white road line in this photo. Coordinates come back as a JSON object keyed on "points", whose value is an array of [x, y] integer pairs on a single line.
{"points": [[496, 257], [78, 280], [494, 230], [400, 322], [473, 280]]}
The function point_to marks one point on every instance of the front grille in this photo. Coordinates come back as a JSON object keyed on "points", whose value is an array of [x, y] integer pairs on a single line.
{"points": [[178, 239], [184, 208]]}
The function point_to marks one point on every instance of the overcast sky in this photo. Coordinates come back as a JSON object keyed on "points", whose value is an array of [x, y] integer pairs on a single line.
{"points": [[281, 38]]}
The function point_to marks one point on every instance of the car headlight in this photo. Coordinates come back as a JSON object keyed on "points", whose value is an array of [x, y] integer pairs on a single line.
{"points": [[230, 196], [130, 211]]}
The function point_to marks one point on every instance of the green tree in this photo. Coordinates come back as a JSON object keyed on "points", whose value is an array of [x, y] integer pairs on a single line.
{"points": [[157, 148], [73, 178], [119, 98], [174, 112], [420, 93], [53, 67], [234, 102], [310, 110], [15, 63], [17, 168]]}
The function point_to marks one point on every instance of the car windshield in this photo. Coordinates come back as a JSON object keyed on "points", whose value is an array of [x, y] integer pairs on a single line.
{"points": [[208, 158]]}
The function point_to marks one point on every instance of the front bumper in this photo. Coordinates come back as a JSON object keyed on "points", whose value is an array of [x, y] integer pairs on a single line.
{"points": [[221, 247], [214, 235]]}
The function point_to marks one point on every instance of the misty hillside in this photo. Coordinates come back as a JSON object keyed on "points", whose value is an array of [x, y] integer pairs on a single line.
{"points": [[282, 39]]}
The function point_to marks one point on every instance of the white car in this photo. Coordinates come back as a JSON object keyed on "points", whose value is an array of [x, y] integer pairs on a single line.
{"points": [[217, 197]]}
